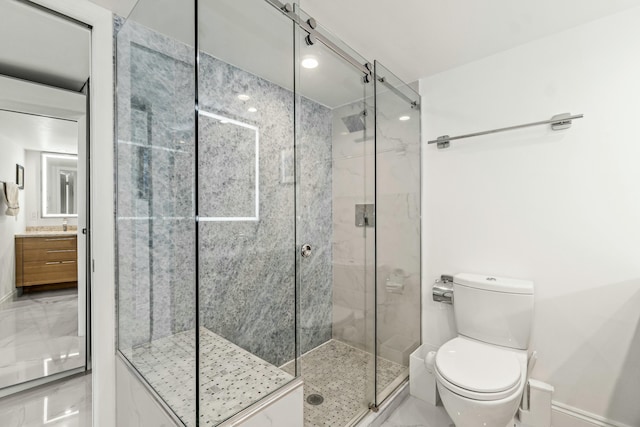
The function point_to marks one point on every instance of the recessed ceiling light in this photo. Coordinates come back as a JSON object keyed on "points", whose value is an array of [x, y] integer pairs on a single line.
{"points": [[252, 109], [404, 118], [309, 62], [243, 97]]}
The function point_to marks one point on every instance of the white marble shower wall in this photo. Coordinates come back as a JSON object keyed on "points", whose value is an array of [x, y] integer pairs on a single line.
{"points": [[396, 172], [353, 247], [398, 240]]}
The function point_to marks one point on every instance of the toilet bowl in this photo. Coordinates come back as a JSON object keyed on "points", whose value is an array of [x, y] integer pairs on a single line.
{"points": [[481, 374], [480, 384]]}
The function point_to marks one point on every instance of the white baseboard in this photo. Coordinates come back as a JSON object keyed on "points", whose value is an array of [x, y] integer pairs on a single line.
{"points": [[564, 415], [8, 296]]}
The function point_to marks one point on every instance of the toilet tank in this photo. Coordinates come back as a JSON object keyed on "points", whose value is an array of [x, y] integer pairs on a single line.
{"points": [[494, 310]]}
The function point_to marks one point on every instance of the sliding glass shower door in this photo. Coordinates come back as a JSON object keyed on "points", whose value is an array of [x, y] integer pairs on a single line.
{"points": [[335, 229], [397, 201]]}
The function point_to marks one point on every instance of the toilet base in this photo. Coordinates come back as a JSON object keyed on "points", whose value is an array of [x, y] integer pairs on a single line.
{"points": [[479, 413]]}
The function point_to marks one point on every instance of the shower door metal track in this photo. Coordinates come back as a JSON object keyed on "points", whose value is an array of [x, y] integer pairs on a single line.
{"points": [[309, 27], [414, 103]]}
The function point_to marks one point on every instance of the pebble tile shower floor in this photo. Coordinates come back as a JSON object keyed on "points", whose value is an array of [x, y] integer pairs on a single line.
{"points": [[232, 378], [339, 373]]}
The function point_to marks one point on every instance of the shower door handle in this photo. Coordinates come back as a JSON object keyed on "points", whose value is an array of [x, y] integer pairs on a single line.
{"points": [[305, 251]]}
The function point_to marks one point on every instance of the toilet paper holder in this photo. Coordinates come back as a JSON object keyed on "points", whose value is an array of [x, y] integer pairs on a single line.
{"points": [[443, 289]]}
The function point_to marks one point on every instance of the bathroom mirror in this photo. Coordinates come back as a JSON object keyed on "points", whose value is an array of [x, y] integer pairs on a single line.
{"points": [[59, 185]]}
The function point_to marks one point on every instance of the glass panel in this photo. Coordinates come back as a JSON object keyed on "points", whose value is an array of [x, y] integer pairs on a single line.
{"points": [[334, 155], [397, 140], [246, 205], [156, 206]]}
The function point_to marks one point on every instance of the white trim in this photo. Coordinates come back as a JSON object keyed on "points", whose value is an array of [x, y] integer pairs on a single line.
{"points": [[261, 406], [103, 278], [38, 99], [592, 419], [8, 296]]}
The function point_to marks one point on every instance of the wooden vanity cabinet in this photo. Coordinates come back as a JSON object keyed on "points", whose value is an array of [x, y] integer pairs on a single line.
{"points": [[46, 261]]}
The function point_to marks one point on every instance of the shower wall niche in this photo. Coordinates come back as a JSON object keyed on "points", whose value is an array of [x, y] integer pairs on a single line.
{"points": [[230, 158]]}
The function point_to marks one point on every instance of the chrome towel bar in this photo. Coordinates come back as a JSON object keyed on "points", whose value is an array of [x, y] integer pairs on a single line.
{"points": [[557, 122]]}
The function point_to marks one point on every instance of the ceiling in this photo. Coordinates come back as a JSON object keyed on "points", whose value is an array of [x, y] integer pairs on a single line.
{"points": [[42, 47], [417, 38], [38, 133]]}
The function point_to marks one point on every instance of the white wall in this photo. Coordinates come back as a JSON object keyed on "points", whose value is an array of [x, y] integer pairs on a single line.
{"points": [[560, 208], [12, 154]]}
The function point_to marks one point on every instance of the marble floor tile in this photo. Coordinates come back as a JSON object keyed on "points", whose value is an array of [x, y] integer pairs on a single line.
{"points": [[39, 336], [414, 412], [65, 403], [343, 376]]}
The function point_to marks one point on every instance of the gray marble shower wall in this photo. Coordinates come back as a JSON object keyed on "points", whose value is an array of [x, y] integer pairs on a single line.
{"points": [[155, 186], [247, 279], [247, 252]]}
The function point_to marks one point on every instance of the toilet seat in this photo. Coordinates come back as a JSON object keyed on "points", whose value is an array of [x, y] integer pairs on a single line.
{"points": [[478, 370]]}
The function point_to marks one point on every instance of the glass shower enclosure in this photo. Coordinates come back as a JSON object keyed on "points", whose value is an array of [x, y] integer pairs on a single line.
{"points": [[268, 212]]}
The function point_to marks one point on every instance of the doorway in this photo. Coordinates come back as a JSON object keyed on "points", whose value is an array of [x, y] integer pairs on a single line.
{"points": [[44, 210]]}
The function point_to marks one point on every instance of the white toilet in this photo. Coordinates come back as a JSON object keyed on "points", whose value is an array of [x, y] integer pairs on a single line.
{"points": [[481, 374]]}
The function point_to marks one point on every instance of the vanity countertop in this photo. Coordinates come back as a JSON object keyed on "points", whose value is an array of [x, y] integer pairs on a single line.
{"points": [[48, 233]]}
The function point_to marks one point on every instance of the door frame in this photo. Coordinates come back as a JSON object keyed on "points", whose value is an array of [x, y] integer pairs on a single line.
{"points": [[101, 122]]}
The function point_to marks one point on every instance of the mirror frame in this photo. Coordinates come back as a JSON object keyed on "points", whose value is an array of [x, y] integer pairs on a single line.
{"points": [[43, 183]]}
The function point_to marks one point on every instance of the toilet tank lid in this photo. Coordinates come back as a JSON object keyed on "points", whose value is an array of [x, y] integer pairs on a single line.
{"points": [[494, 283]]}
